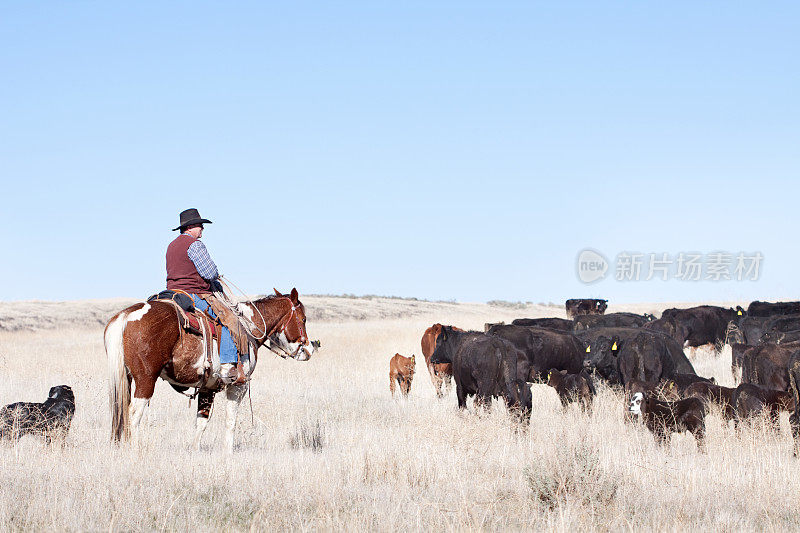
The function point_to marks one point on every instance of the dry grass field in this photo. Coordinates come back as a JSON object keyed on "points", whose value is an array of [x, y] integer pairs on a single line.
{"points": [[329, 449]]}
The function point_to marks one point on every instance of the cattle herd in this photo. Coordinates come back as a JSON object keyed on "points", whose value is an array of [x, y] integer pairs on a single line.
{"points": [[640, 354]]}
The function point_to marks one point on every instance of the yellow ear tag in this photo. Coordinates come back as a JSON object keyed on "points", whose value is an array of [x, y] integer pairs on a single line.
{"points": [[671, 384], [588, 349], [739, 313], [614, 347]]}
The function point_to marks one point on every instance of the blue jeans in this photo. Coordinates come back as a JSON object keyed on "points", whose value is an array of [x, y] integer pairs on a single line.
{"points": [[227, 349]]}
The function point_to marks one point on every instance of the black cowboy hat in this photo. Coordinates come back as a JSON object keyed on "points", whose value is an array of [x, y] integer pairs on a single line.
{"points": [[189, 217]]}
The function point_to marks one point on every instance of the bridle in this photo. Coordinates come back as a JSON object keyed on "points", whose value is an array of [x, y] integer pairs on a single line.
{"points": [[281, 325], [280, 329]]}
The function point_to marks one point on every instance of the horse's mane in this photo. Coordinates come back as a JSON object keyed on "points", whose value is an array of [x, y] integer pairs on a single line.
{"points": [[270, 297], [267, 297]]}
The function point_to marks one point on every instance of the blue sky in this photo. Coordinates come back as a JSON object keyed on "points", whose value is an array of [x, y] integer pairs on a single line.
{"points": [[445, 150]]}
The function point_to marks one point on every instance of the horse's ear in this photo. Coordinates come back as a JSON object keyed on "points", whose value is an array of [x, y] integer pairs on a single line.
{"points": [[294, 296], [277, 292]]}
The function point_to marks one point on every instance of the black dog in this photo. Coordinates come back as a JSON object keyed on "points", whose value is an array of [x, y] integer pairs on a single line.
{"points": [[50, 419]]}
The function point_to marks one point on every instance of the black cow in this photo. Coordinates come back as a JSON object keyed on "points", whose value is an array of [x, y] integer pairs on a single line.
{"points": [[583, 306], [781, 329], [544, 348], [50, 419], [573, 387], [487, 367], [665, 418], [557, 324], [747, 330], [644, 357], [661, 390], [771, 309], [667, 389], [612, 320], [697, 326], [767, 365], [711, 393], [621, 355], [751, 400], [780, 337], [487, 325], [783, 323]]}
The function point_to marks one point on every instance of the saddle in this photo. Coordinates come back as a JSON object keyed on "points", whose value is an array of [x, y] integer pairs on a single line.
{"points": [[189, 317], [201, 323]]}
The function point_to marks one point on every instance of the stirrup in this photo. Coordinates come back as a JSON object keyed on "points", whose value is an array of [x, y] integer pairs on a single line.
{"points": [[236, 375], [241, 377], [227, 377]]}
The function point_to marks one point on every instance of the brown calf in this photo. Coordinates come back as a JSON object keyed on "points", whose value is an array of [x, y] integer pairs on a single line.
{"points": [[401, 371], [572, 387], [665, 418]]}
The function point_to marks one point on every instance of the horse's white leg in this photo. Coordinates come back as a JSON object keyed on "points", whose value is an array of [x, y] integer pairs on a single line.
{"points": [[234, 395], [200, 426], [205, 399], [138, 406]]}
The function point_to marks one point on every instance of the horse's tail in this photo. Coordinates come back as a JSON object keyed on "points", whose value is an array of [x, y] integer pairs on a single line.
{"points": [[119, 384]]}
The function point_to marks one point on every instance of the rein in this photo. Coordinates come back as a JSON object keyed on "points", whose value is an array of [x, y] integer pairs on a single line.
{"points": [[280, 327], [235, 308]]}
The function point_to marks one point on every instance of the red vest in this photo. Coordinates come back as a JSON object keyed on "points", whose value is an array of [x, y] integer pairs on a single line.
{"points": [[181, 272]]}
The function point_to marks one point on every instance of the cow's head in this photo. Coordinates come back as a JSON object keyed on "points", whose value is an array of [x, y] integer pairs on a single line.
{"points": [[518, 397], [635, 405], [603, 356], [443, 350], [772, 337], [588, 365], [553, 377]]}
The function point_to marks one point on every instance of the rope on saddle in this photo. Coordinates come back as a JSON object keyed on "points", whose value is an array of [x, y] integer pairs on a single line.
{"points": [[228, 301]]}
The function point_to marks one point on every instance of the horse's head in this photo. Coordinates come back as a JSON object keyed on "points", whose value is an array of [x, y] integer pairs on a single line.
{"points": [[289, 337]]}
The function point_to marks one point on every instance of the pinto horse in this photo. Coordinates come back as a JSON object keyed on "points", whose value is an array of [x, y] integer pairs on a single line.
{"points": [[145, 342]]}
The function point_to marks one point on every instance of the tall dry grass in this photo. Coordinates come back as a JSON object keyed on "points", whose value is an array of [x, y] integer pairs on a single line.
{"points": [[328, 449]]}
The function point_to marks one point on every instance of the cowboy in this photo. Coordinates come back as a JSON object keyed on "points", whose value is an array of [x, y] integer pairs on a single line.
{"points": [[190, 269]]}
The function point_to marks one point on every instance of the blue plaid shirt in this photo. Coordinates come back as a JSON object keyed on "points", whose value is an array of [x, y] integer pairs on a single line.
{"points": [[202, 261]]}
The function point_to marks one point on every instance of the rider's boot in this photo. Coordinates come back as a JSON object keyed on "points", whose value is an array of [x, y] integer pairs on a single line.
{"points": [[232, 373], [227, 372], [241, 377]]}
